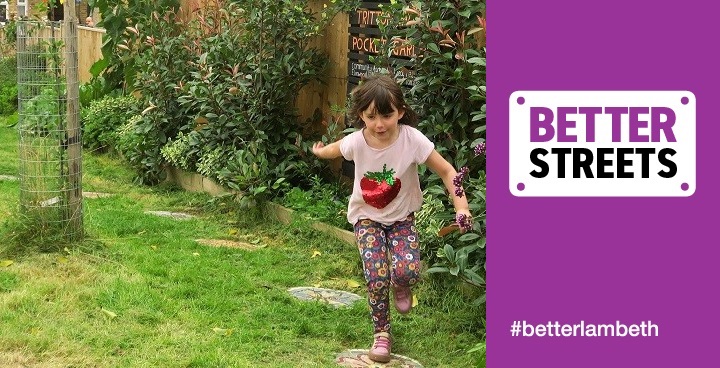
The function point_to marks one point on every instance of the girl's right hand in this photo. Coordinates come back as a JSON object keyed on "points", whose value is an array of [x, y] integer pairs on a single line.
{"points": [[328, 152], [317, 148]]}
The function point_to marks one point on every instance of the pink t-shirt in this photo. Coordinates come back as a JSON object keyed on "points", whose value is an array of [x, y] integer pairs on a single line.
{"points": [[387, 186]]}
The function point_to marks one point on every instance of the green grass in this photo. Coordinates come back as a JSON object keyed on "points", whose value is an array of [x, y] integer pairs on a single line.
{"points": [[140, 292]]}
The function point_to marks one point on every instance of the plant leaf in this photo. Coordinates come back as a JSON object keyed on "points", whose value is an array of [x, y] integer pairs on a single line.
{"points": [[415, 300], [477, 60], [108, 313], [468, 237], [480, 347], [474, 277], [353, 284], [315, 254], [480, 300], [6, 263], [454, 270], [437, 269], [474, 30], [449, 253]]}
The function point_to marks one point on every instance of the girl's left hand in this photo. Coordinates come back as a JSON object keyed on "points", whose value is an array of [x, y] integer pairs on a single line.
{"points": [[464, 220]]}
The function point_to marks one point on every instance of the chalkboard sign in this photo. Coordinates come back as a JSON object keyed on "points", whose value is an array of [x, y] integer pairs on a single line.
{"points": [[362, 34]]}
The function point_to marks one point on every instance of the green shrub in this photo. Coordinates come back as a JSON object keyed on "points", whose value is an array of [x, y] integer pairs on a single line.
{"points": [[232, 76], [8, 100], [8, 70], [210, 160], [95, 89], [133, 141], [102, 118], [177, 152], [8, 86]]}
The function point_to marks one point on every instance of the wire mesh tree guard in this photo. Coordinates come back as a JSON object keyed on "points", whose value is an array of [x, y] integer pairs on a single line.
{"points": [[50, 147]]}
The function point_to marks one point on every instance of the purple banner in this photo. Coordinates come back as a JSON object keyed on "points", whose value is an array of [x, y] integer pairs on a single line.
{"points": [[602, 281]]}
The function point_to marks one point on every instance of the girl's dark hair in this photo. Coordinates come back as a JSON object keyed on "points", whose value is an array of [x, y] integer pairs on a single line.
{"points": [[385, 93]]}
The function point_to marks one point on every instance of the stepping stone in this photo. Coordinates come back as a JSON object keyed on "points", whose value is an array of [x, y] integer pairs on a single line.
{"points": [[8, 178], [336, 298], [358, 358], [94, 195], [175, 215], [219, 243]]}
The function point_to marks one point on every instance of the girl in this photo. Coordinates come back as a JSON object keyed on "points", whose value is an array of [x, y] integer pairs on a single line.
{"points": [[386, 194]]}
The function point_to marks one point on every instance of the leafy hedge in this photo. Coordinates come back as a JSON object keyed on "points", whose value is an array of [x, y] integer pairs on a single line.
{"points": [[227, 81]]}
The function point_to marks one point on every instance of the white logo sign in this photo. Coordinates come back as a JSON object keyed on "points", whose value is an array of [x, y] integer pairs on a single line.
{"points": [[602, 143]]}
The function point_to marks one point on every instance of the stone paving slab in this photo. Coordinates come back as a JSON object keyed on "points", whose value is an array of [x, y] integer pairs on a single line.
{"points": [[336, 298], [175, 215], [358, 358], [221, 243]]}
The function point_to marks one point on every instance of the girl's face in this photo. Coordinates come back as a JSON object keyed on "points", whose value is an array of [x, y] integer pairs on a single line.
{"points": [[381, 127]]}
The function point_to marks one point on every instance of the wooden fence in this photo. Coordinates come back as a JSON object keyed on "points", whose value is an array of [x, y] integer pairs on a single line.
{"points": [[334, 92], [89, 44], [90, 41]]}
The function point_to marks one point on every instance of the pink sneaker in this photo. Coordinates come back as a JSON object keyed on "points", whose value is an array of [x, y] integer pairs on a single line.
{"points": [[380, 351], [403, 299]]}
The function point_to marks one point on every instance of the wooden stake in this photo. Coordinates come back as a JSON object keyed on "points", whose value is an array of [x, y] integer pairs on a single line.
{"points": [[74, 146]]}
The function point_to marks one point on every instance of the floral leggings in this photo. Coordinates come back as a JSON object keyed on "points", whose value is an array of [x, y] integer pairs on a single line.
{"points": [[375, 241]]}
